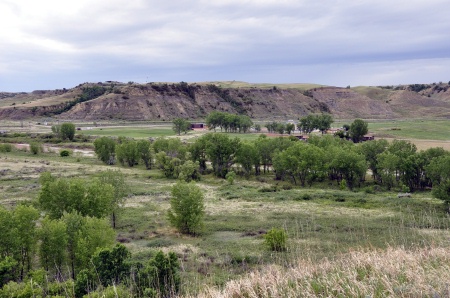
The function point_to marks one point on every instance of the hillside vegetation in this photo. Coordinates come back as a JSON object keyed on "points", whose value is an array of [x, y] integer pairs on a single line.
{"points": [[166, 101]]}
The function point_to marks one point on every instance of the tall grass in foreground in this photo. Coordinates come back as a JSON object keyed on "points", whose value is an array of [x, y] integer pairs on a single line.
{"points": [[395, 272]]}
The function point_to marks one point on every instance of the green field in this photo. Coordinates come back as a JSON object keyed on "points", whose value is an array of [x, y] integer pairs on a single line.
{"points": [[131, 132]]}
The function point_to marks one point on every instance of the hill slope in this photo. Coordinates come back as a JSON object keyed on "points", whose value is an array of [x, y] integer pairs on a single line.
{"points": [[162, 101]]}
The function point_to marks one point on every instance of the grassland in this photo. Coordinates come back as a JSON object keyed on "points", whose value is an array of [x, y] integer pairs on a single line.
{"points": [[330, 231]]}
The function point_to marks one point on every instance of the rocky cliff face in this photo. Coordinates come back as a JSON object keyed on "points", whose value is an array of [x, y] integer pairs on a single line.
{"points": [[152, 101]]}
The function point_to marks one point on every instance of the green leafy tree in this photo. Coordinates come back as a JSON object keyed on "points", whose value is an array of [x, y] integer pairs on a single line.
{"points": [[85, 236], [144, 152], [198, 152], [105, 148], [172, 147], [348, 165], [358, 129], [280, 128], [121, 189], [324, 122], [160, 277], [112, 266], [371, 151], [181, 125], [169, 165], [290, 127], [127, 152], [189, 171], [247, 156], [186, 208], [301, 161], [67, 131], [308, 124], [52, 249], [221, 151], [24, 218]]}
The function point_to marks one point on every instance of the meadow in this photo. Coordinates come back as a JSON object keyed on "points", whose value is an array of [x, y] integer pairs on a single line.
{"points": [[333, 234]]}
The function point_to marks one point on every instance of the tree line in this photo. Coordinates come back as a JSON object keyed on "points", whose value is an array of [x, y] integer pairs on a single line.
{"points": [[396, 164]]}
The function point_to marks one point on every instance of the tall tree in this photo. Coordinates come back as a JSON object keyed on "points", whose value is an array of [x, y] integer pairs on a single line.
{"points": [[52, 250], [187, 208], [67, 131], [144, 152], [25, 218], [181, 125], [116, 179], [221, 151], [105, 148], [358, 129]]}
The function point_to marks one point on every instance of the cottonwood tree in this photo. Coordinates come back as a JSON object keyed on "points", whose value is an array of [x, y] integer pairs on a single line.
{"points": [[127, 152], [187, 208], [24, 219], [52, 249], [67, 131], [144, 152], [358, 129], [85, 235], [371, 150], [160, 277], [221, 150], [112, 265], [181, 125], [121, 189], [247, 156], [105, 149]]}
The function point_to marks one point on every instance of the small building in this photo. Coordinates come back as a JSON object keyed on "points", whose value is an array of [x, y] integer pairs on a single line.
{"points": [[368, 137], [197, 125]]}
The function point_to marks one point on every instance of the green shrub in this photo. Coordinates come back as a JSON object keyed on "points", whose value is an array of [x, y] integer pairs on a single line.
{"points": [[6, 147], [64, 153], [304, 197], [35, 148], [275, 239], [230, 176]]}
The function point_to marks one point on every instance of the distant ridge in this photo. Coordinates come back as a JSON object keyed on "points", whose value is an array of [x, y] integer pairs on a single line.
{"points": [[166, 101]]}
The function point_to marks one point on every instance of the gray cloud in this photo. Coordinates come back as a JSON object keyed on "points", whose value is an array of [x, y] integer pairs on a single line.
{"points": [[55, 44]]}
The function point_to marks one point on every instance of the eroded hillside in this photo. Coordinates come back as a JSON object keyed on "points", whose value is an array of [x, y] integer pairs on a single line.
{"points": [[162, 101]]}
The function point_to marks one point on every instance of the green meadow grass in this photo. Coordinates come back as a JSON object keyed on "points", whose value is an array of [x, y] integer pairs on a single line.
{"points": [[131, 132]]}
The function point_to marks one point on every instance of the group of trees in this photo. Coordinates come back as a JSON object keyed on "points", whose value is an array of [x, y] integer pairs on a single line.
{"points": [[280, 127], [396, 164], [228, 122], [306, 124], [64, 247], [311, 122]]}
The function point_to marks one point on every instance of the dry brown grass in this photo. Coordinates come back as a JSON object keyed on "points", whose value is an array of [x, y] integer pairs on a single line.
{"points": [[395, 272]]}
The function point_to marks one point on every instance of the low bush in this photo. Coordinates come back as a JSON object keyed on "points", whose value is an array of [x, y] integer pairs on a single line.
{"points": [[64, 153], [35, 148], [6, 147], [275, 239]]}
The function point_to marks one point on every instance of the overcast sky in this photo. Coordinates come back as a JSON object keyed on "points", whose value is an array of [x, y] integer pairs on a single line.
{"points": [[50, 44]]}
